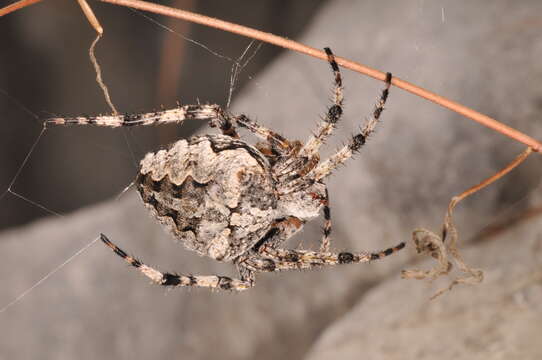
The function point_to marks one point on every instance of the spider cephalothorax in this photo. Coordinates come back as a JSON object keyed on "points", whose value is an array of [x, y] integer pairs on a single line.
{"points": [[235, 202]]}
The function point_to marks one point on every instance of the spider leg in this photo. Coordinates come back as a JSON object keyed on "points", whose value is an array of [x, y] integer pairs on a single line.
{"points": [[265, 256], [213, 113], [334, 112], [174, 280], [286, 228], [278, 143], [285, 259], [307, 157], [279, 232], [325, 242], [340, 157]]}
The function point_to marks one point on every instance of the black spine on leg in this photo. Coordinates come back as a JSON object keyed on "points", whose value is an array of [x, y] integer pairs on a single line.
{"points": [[387, 252], [170, 280], [334, 114], [345, 258], [357, 142]]}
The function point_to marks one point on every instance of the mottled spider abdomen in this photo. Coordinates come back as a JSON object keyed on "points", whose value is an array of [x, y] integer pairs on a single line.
{"points": [[214, 193]]}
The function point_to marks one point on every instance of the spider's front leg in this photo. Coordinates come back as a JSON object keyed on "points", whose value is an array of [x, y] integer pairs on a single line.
{"points": [[357, 141], [212, 113], [307, 156], [278, 144], [334, 112], [326, 167], [174, 280]]}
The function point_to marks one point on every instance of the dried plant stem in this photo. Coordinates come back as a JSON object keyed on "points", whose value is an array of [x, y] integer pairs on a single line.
{"points": [[518, 160], [16, 6], [98, 70], [427, 242], [293, 45], [83, 3], [90, 16]]}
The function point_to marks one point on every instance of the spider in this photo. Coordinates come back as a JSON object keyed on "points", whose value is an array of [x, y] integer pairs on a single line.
{"points": [[234, 202]]}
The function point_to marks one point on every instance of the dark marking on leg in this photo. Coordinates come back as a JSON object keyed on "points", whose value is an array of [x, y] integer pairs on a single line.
{"points": [[334, 66], [224, 282], [132, 261], [388, 77], [170, 280], [191, 280], [357, 142], [268, 265], [387, 252], [345, 258], [334, 114], [131, 119], [291, 257]]}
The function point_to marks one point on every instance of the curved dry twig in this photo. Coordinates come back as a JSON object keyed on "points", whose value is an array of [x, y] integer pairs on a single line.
{"points": [[429, 243]]}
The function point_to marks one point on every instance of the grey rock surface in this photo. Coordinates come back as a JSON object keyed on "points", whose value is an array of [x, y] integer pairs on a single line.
{"points": [[499, 319], [483, 56]]}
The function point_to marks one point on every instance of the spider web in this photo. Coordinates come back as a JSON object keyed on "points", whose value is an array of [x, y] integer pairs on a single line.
{"points": [[237, 67]]}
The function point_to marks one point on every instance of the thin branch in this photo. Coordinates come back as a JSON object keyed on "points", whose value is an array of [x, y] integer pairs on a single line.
{"points": [[16, 6], [83, 3], [90, 16], [518, 160], [292, 45], [99, 78]]}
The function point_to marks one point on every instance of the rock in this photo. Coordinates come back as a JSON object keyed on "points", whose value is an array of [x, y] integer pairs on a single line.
{"points": [[499, 319]]}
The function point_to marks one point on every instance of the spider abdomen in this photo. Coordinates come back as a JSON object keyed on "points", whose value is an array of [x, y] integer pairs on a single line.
{"points": [[214, 193]]}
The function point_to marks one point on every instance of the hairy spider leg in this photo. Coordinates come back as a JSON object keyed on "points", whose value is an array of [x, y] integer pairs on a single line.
{"points": [[325, 168], [174, 280], [334, 112], [286, 259], [175, 115], [357, 141], [325, 127], [214, 113], [279, 144], [326, 240], [267, 256], [279, 232]]}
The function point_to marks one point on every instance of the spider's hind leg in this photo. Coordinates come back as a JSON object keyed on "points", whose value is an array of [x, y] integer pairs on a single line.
{"points": [[174, 280]]}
